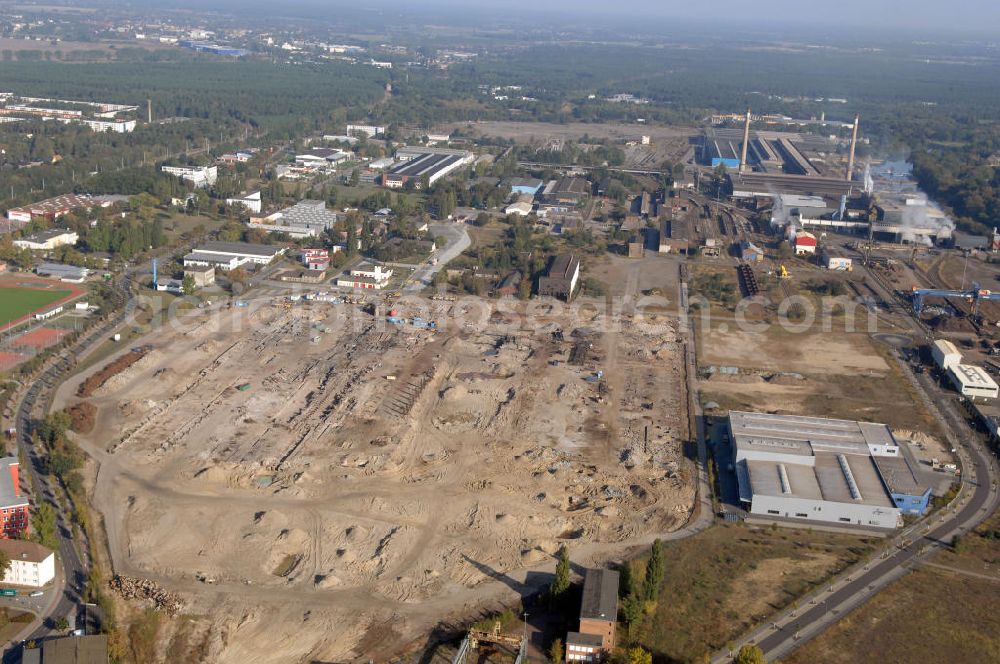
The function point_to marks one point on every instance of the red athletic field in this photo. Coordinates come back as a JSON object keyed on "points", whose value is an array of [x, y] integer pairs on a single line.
{"points": [[39, 338], [10, 360]]}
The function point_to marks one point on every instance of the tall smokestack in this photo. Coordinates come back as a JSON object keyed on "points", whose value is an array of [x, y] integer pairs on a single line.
{"points": [[854, 144], [149, 110], [746, 140]]}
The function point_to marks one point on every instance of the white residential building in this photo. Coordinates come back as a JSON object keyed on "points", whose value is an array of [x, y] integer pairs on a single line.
{"points": [[204, 176], [369, 130], [251, 202], [31, 564], [116, 126]]}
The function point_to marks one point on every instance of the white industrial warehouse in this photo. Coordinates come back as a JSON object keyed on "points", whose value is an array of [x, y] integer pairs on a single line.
{"points": [[814, 469], [970, 380], [230, 255]]}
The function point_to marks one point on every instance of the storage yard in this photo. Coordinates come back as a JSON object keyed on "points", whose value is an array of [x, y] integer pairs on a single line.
{"points": [[314, 479]]}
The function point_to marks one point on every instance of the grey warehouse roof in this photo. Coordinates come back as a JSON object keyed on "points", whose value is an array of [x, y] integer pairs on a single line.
{"points": [[308, 213], [796, 434], [600, 595]]}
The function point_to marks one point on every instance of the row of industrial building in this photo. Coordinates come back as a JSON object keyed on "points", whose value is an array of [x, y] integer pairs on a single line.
{"points": [[813, 469], [99, 117]]}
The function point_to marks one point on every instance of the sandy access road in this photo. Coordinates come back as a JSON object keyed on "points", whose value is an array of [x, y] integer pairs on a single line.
{"points": [[327, 505]]}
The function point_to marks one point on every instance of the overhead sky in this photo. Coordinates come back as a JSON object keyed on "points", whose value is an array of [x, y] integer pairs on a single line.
{"points": [[980, 16]]}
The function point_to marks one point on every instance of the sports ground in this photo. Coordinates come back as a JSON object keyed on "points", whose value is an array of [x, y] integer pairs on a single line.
{"points": [[21, 296]]}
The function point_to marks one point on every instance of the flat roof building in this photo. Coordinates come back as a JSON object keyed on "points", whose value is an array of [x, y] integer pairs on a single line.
{"points": [[566, 191], [251, 202], [674, 235], [525, 186], [307, 218], [68, 273], [48, 239], [202, 259], [371, 131], [201, 275], [972, 381], [767, 185], [802, 468], [322, 157], [243, 252], [560, 277], [204, 176]]}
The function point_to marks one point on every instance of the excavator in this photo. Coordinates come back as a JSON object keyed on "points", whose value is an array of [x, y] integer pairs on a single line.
{"points": [[783, 272]]}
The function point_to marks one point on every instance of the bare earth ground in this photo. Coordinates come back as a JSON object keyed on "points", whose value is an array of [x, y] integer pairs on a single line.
{"points": [[571, 131], [667, 143], [823, 374], [327, 502], [7, 43]]}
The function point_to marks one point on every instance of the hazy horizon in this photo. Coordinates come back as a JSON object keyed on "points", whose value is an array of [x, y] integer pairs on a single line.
{"points": [[969, 16]]}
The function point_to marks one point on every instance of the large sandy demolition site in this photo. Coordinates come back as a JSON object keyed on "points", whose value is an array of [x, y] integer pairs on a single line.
{"points": [[326, 488]]}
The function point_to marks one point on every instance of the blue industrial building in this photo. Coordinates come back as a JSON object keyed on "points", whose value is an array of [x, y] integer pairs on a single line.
{"points": [[214, 49], [723, 151], [910, 493], [525, 186]]}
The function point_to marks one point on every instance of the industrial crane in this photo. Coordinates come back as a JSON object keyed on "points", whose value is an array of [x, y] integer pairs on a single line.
{"points": [[974, 295]]}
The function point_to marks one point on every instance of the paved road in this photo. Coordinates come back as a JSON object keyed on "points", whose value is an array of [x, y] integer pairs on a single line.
{"points": [[796, 629], [458, 241], [976, 502], [64, 598]]}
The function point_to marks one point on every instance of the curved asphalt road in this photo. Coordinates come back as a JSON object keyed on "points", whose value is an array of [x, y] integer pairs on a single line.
{"points": [[828, 607], [74, 570], [458, 241]]}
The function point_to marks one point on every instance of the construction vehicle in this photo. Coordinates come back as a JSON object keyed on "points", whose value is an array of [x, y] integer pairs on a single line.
{"points": [[417, 321], [783, 272]]}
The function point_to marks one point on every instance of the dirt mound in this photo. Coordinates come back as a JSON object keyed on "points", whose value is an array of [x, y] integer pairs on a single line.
{"points": [[99, 379], [83, 415]]}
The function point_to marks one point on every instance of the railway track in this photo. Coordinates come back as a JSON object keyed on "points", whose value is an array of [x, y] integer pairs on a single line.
{"points": [[748, 280]]}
